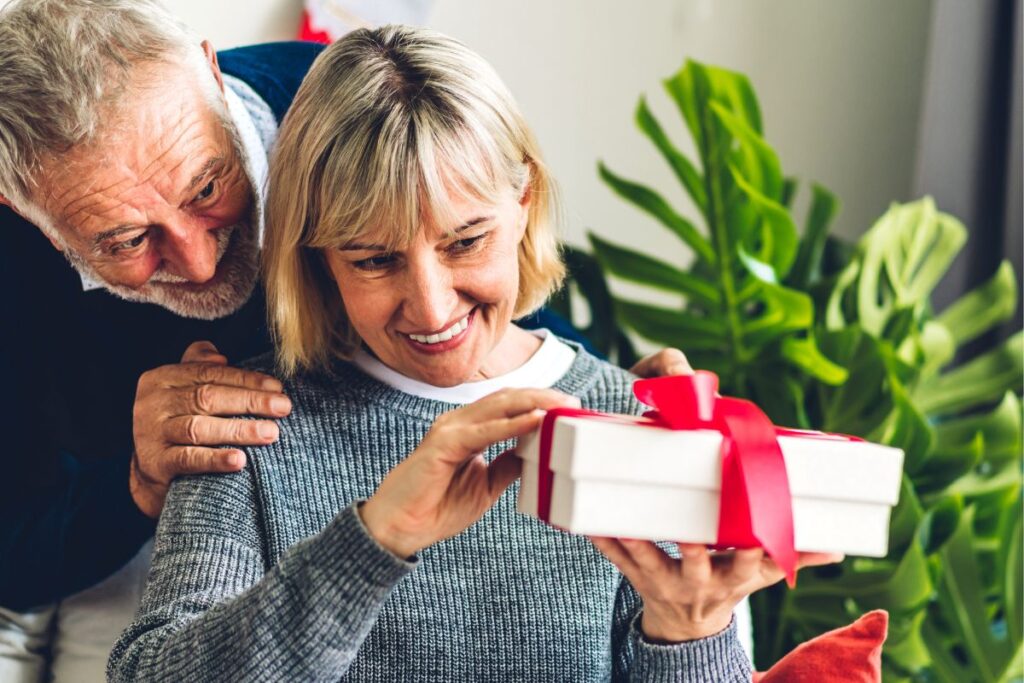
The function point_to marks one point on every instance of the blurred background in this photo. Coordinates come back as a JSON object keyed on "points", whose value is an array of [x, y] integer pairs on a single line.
{"points": [[878, 101]]}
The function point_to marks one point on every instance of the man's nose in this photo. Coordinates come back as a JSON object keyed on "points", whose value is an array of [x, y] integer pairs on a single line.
{"points": [[430, 296], [189, 251]]}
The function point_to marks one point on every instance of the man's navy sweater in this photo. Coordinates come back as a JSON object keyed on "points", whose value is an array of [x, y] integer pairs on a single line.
{"points": [[70, 361]]}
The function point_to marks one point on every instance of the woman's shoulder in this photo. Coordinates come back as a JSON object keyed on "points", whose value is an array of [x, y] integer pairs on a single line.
{"points": [[598, 384], [300, 382]]}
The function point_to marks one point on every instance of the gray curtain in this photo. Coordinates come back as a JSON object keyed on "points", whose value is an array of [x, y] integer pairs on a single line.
{"points": [[970, 153]]}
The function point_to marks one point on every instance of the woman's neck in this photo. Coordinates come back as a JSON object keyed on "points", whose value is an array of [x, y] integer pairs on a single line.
{"points": [[515, 348], [546, 365]]}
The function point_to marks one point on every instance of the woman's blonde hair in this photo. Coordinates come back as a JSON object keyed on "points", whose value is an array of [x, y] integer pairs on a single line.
{"points": [[385, 126]]}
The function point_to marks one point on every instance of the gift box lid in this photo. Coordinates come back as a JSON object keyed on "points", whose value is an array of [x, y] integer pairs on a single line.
{"points": [[629, 449]]}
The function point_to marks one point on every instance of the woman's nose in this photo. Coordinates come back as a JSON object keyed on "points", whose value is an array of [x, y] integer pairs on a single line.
{"points": [[430, 297]]}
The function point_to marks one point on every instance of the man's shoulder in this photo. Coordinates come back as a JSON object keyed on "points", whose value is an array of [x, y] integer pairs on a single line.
{"points": [[273, 70]]}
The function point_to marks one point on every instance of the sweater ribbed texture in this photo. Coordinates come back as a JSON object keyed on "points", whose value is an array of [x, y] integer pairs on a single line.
{"points": [[269, 574]]}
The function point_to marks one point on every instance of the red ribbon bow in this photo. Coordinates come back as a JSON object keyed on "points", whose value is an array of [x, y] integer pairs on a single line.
{"points": [[756, 506]]}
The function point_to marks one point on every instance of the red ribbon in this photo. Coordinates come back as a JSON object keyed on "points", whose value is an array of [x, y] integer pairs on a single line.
{"points": [[756, 506]]}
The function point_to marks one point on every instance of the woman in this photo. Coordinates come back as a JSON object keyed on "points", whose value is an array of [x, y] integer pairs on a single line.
{"points": [[409, 224]]}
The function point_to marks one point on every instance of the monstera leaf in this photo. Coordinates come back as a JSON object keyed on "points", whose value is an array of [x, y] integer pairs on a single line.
{"points": [[828, 336], [956, 615], [740, 315]]}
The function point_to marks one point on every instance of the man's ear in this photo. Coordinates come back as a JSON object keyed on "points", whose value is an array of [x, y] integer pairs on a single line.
{"points": [[211, 58], [7, 202]]}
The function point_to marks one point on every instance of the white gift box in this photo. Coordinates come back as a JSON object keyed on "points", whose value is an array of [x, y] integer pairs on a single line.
{"points": [[612, 478]]}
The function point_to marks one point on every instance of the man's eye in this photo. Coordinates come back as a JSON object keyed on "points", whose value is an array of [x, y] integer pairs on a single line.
{"points": [[128, 245], [205, 192]]}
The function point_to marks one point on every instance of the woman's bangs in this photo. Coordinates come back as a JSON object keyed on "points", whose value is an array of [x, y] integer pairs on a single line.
{"points": [[379, 204], [461, 166]]}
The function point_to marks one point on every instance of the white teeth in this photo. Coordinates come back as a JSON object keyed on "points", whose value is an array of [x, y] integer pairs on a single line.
{"points": [[455, 329]]}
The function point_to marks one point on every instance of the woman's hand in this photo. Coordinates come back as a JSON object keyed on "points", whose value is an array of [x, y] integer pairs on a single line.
{"points": [[694, 596], [662, 364], [445, 484]]}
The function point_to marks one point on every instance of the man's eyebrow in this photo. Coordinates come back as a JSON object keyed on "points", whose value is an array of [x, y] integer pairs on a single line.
{"points": [[211, 163], [113, 232], [356, 246], [198, 177]]}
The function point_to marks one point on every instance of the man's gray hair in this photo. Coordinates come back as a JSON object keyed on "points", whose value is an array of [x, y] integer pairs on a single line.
{"points": [[66, 63]]}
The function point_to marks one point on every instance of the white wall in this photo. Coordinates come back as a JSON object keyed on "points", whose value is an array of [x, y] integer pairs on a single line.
{"points": [[840, 86], [229, 23]]}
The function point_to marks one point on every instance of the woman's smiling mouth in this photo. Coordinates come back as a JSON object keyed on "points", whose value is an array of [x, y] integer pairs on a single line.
{"points": [[446, 339]]}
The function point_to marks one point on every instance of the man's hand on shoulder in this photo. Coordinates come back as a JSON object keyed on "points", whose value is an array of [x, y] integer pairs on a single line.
{"points": [[184, 412], [661, 364]]}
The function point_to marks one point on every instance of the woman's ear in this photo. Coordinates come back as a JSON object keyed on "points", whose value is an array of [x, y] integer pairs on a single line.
{"points": [[525, 198]]}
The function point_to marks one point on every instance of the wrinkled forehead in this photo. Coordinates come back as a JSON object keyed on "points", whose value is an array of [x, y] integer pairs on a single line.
{"points": [[153, 144]]}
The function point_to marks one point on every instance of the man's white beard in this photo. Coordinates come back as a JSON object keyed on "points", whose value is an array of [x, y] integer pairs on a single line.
{"points": [[232, 284]]}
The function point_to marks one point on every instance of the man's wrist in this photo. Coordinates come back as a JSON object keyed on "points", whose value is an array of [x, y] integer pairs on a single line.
{"points": [[147, 492]]}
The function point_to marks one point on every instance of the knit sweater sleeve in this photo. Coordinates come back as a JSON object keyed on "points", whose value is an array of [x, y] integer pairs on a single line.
{"points": [[719, 658], [214, 610]]}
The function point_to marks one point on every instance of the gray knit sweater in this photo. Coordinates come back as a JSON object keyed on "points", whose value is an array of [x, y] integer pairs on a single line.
{"points": [[269, 575]]}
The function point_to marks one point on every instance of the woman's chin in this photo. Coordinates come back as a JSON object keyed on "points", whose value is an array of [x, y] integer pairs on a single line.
{"points": [[442, 375], [444, 382]]}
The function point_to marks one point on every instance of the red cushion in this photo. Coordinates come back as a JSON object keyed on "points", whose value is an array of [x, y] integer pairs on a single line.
{"points": [[850, 654]]}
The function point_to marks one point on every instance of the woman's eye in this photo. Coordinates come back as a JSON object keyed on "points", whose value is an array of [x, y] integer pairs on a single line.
{"points": [[375, 262], [205, 192], [128, 245], [466, 244]]}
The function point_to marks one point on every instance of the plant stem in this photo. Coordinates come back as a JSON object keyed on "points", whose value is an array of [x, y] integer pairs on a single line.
{"points": [[720, 234]]}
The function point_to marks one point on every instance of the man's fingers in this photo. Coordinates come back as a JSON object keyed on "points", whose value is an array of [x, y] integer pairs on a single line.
{"points": [[226, 401], [663, 363], [202, 352], [189, 374], [199, 460], [203, 430]]}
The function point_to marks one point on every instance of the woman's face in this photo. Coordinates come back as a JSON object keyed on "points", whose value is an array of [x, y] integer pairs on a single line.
{"points": [[438, 310]]}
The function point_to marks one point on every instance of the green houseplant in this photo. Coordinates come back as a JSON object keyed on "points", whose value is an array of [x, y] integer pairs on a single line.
{"points": [[841, 338]]}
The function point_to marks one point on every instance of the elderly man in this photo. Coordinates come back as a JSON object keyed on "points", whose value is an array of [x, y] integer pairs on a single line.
{"points": [[140, 155]]}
